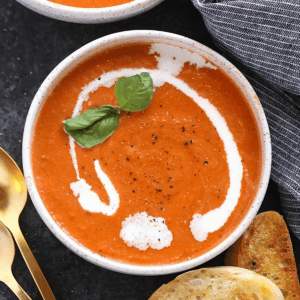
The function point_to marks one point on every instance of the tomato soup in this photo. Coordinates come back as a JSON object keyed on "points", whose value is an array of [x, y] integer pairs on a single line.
{"points": [[173, 181], [91, 3]]}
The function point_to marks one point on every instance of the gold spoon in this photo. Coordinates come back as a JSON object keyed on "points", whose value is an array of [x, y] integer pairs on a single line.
{"points": [[13, 196], [7, 255]]}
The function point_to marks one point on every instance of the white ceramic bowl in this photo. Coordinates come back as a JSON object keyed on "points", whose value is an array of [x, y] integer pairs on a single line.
{"points": [[144, 36], [89, 15]]}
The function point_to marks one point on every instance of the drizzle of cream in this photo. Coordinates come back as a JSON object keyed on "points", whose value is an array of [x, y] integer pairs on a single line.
{"points": [[171, 59], [170, 63], [90, 201]]}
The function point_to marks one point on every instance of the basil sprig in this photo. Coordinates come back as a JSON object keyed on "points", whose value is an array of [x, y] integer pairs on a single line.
{"points": [[96, 124]]}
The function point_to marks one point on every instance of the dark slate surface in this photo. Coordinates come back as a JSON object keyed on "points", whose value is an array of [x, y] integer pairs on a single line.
{"points": [[31, 45]]}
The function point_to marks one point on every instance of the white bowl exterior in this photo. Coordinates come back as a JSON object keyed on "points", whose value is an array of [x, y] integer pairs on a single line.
{"points": [[148, 37], [89, 15]]}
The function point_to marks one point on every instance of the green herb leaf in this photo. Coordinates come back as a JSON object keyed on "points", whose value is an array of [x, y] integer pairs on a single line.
{"points": [[134, 93], [97, 124], [93, 126]]}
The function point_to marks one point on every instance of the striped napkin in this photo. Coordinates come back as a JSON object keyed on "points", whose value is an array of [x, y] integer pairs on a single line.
{"points": [[262, 38]]}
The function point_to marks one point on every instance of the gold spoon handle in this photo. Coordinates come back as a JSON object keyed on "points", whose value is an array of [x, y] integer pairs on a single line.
{"points": [[31, 262], [11, 282]]}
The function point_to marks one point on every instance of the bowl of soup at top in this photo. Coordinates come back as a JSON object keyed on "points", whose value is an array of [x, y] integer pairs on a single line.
{"points": [[90, 11], [176, 183]]}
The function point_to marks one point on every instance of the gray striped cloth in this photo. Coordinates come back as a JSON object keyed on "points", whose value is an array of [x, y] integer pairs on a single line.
{"points": [[262, 38]]}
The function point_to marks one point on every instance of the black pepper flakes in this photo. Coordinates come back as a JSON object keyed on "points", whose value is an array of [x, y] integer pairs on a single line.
{"points": [[127, 159], [183, 129], [186, 143], [206, 162]]}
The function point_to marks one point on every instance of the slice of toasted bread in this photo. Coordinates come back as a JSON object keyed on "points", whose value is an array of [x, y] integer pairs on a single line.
{"points": [[219, 283], [266, 248]]}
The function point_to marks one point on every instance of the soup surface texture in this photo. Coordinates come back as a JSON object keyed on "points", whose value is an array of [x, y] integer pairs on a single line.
{"points": [[91, 3], [172, 181]]}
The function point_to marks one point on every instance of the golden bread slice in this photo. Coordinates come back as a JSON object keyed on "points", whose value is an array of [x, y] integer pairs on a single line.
{"points": [[219, 283], [266, 248]]}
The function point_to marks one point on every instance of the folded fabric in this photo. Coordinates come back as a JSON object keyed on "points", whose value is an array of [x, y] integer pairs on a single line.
{"points": [[262, 38]]}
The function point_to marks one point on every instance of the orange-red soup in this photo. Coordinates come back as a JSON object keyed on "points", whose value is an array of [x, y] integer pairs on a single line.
{"points": [[167, 160], [91, 3]]}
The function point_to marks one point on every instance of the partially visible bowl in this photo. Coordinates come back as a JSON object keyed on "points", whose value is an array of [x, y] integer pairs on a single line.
{"points": [[89, 15], [141, 36]]}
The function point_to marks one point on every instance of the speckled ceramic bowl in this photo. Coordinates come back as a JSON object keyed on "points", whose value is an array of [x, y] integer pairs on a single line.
{"points": [[144, 36], [89, 15]]}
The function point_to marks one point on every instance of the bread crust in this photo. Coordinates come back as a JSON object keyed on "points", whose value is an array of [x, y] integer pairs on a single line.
{"points": [[219, 283], [266, 248]]}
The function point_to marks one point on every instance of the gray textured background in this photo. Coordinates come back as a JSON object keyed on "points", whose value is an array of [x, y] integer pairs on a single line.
{"points": [[31, 45]]}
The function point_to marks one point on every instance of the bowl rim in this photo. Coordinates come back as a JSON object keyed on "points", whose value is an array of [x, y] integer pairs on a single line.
{"points": [[89, 15], [122, 38]]}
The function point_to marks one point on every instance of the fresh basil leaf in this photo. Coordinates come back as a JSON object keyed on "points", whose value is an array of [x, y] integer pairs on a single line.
{"points": [[89, 117], [93, 126], [134, 93]]}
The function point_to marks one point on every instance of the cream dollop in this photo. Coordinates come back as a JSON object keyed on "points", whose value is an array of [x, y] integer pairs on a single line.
{"points": [[142, 231]]}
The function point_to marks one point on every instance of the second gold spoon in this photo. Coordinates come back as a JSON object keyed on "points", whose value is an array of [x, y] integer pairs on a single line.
{"points": [[13, 195], [7, 254]]}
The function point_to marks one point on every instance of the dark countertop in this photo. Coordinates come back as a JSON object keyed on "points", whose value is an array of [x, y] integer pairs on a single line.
{"points": [[31, 45]]}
